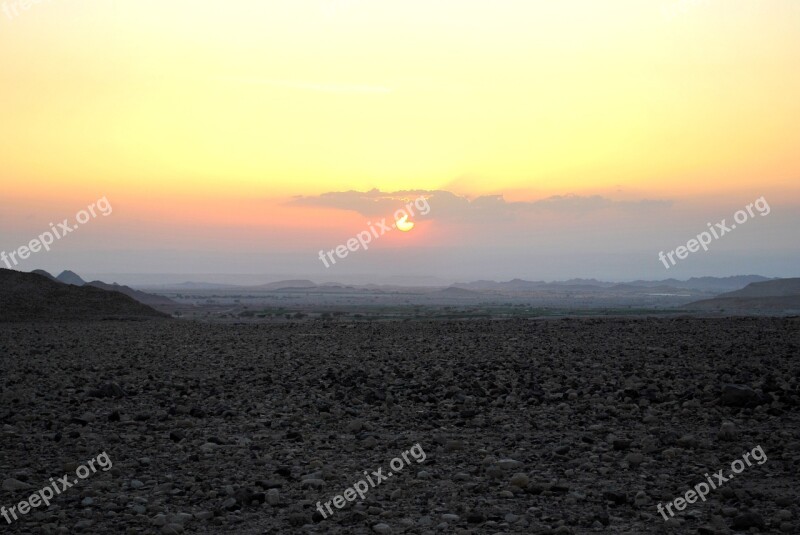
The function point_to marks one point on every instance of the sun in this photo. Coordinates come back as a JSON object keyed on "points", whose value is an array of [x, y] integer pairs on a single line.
{"points": [[403, 224]]}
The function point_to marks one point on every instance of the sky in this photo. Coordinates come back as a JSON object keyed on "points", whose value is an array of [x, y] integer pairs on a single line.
{"points": [[551, 140]]}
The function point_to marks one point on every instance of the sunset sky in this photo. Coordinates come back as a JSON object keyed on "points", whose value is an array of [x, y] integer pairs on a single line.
{"points": [[612, 130]]}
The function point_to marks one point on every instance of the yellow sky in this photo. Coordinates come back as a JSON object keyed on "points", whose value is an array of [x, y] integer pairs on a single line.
{"points": [[266, 99]]}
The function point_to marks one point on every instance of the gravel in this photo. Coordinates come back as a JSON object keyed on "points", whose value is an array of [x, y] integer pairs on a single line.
{"points": [[535, 426]]}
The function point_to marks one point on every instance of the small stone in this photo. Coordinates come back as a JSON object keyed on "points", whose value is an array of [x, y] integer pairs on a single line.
{"points": [[508, 464], [475, 517], [454, 445], [747, 521], [313, 483], [739, 396], [108, 390], [81, 525], [634, 458], [520, 480], [727, 431], [621, 444], [354, 426], [381, 528], [180, 518], [12, 485]]}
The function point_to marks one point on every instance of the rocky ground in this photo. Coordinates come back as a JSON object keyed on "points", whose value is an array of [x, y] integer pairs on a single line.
{"points": [[536, 426]]}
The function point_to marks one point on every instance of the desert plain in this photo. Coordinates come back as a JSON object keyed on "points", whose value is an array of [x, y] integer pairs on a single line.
{"points": [[569, 425]]}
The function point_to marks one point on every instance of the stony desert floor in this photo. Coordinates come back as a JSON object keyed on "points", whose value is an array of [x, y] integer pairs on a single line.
{"points": [[528, 426]]}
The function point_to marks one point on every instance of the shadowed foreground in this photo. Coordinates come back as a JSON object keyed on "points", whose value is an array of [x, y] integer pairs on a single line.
{"points": [[557, 426]]}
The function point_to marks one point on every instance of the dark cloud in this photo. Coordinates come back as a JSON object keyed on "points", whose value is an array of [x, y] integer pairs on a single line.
{"points": [[446, 205]]}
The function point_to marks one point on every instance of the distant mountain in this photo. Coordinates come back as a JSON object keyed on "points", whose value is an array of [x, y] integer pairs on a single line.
{"points": [[777, 295], [70, 277], [702, 284], [289, 284], [514, 285], [34, 297], [142, 297], [189, 285], [454, 291], [705, 284]]}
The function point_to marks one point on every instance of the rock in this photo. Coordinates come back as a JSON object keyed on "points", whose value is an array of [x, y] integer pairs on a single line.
{"points": [[13, 485], [634, 458], [739, 396], [172, 529], [475, 517], [520, 480], [180, 518], [617, 497], [273, 497], [313, 483], [621, 444], [108, 390], [727, 431], [454, 445], [81, 525], [748, 520], [381, 528]]}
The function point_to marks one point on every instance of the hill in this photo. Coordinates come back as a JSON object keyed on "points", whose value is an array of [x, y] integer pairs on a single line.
{"points": [[70, 277], [142, 297], [34, 297], [777, 295]]}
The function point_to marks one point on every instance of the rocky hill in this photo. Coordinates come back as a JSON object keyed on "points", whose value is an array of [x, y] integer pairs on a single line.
{"points": [[34, 297]]}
